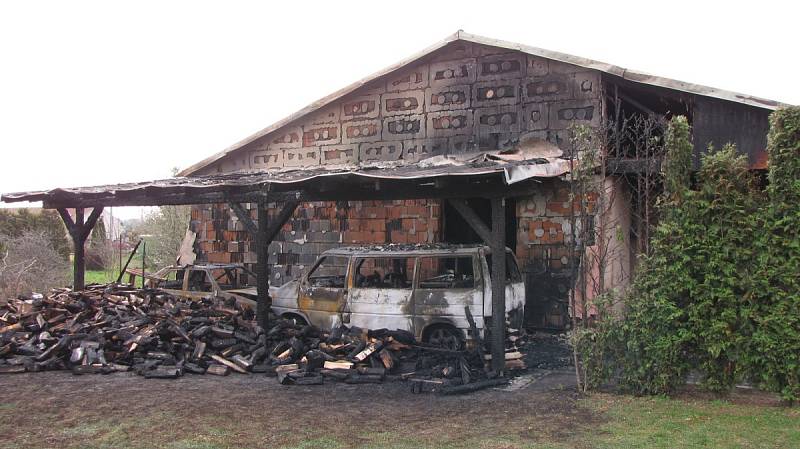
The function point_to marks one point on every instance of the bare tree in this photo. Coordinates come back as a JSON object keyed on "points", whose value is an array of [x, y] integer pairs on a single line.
{"points": [[165, 228], [30, 264], [613, 183]]}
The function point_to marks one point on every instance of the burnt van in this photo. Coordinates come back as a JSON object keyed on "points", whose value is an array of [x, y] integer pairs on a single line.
{"points": [[420, 289]]}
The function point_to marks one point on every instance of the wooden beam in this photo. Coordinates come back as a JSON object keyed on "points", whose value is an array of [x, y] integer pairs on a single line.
{"points": [[640, 106], [472, 218], [128, 262], [498, 268], [244, 216], [172, 199], [67, 219], [277, 223], [91, 222]]}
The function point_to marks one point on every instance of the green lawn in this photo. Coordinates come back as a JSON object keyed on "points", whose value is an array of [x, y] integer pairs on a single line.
{"points": [[670, 423], [99, 277], [102, 277]]}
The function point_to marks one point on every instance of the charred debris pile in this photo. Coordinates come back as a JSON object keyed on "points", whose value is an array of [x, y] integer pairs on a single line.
{"points": [[111, 328]]}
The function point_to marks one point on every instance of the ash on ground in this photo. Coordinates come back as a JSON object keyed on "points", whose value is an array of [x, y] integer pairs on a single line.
{"points": [[546, 351]]}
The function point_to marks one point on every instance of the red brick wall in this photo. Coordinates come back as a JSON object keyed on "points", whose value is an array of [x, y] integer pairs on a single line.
{"points": [[543, 226], [314, 228]]}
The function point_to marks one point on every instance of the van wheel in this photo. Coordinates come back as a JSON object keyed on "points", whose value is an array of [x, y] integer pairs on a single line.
{"points": [[297, 320], [445, 337]]}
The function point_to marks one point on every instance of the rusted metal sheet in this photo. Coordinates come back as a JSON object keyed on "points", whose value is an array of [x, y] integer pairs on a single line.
{"points": [[513, 170]]}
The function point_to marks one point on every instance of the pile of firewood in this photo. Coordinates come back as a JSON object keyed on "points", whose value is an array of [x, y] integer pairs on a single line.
{"points": [[110, 328]]}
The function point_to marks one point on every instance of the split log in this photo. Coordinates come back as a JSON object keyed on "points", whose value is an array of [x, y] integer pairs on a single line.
{"points": [[218, 370], [163, 372], [339, 364], [369, 350], [242, 362], [387, 358], [222, 332], [228, 363], [339, 374], [283, 372], [199, 350], [516, 364], [508, 356]]}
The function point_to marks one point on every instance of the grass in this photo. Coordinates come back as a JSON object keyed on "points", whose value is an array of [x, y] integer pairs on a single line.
{"points": [[669, 423], [625, 422], [616, 422], [99, 277], [105, 276]]}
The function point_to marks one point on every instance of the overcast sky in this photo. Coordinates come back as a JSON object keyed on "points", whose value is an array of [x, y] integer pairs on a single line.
{"points": [[107, 91]]}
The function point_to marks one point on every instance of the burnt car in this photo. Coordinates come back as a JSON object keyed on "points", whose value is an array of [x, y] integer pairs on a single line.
{"points": [[230, 281], [420, 289]]}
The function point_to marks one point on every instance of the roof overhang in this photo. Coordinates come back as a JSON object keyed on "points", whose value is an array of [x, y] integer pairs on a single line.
{"points": [[485, 174]]}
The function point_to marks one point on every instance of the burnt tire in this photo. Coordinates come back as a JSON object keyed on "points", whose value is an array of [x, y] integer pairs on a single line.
{"points": [[445, 337], [296, 320]]}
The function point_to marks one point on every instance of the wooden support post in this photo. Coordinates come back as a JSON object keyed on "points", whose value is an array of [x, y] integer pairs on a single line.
{"points": [[498, 269], [263, 233], [79, 253], [79, 231], [262, 268], [496, 239]]}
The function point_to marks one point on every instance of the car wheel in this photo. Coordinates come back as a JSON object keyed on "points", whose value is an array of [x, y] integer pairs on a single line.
{"points": [[296, 320], [445, 337]]}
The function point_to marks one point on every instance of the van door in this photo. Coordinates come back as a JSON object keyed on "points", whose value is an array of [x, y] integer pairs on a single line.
{"points": [[323, 291], [445, 284], [515, 290], [381, 295], [515, 302]]}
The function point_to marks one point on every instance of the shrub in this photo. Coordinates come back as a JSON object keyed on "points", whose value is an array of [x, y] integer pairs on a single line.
{"points": [[725, 215], [721, 292], [774, 352], [15, 223], [29, 264]]}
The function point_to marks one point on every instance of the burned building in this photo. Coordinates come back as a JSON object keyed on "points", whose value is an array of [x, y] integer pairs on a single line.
{"points": [[465, 96], [464, 108]]}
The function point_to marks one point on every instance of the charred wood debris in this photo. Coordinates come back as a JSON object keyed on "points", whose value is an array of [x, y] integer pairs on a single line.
{"points": [[117, 328]]}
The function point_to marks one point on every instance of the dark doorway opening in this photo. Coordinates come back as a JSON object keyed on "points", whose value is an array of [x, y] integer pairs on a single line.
{"points": [[456, 230]]}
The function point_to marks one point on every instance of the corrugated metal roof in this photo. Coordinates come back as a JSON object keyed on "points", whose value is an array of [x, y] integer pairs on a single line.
{"points": [[512, 166], [630, 75]]}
